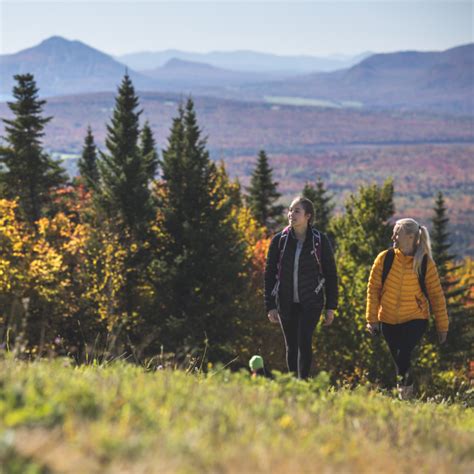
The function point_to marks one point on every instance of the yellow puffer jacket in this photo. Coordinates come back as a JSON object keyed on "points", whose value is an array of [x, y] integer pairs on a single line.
{"points": [[401, 298]]}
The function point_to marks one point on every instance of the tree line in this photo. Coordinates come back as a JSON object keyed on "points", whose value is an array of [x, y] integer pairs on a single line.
{"points": [[146, 253]]}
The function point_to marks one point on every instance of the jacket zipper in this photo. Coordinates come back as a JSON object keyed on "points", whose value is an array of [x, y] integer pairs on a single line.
{"points": [[400, 292]]}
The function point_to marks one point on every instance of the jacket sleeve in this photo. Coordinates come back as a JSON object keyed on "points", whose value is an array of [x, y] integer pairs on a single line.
{"points": [[330, 272], [436, 297], [374, 289], [271, 273]]}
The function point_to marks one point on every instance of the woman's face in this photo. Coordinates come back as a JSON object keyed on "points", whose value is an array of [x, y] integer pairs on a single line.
{"points": [[296, 215], [403, 241]]}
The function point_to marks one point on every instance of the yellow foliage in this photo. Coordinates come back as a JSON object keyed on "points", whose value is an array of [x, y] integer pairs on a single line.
{"points": [[250, 231], [37, 262]]}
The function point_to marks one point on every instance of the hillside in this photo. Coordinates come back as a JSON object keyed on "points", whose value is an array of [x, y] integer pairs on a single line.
{"points": [[438, 81], [120, 418], [237, 126], [346, 148]]}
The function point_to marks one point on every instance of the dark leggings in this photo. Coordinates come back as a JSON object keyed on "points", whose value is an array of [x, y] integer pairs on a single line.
{"points": [[298, 332], [401, 340]]}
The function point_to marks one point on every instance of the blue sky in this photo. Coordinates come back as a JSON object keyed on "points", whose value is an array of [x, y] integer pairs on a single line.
{"points": [[296, 27]]}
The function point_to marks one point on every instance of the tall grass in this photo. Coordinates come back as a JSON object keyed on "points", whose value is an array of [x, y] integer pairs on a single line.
{"points": [[56, 417]]}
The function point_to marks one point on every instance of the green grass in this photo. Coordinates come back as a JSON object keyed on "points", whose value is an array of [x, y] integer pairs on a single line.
{"points": [[121, 418], [305, 102]]}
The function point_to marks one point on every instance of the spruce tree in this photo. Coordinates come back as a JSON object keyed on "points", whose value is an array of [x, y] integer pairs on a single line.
{"points": [[148, 150], [440, 238], [125, 208], [124, 195], [203, 257], [323, 207], [262, 193], [27, 172], [87, 163], [460, 338]]}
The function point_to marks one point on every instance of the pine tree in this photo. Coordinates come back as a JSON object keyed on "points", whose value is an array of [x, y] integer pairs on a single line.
{"points": [[323, 207], [204, 258], [124, 195], [148, 150], [87, 163], [27, 172], [125, 209], [262, 193], [440, 238], [460, 337]]}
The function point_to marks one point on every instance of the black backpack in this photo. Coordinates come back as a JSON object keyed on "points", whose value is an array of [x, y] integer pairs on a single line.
{"points": [[387, 265]]}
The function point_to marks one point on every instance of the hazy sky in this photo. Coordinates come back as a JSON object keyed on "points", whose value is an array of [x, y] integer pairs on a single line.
{"points": [[291, 27]]}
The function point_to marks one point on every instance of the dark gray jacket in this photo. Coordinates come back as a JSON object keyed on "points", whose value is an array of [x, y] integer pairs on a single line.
{"points": [[308, 273]]}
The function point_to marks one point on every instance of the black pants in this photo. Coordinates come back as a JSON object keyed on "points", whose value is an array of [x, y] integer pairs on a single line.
{"points": [[401, 340], [298, 332]]}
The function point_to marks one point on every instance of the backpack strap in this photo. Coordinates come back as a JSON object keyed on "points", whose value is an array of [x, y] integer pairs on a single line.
{"points": [[422, 276], [317, 252], [317, 248], [387, 264], [282, 242]]}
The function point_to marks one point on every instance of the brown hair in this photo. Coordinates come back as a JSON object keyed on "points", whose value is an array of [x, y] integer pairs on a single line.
{"points": [[306, 204]]}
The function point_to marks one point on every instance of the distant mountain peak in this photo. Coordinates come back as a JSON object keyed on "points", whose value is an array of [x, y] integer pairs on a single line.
{"points": [[64, 45], [55, 39], [59, 41], [176, 63]]}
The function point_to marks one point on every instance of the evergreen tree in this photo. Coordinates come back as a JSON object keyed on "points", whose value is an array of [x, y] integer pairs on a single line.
{"points": [[204, 256], [323, 207], [27, 172], [460, 338], [124, 195], [125, 209], [148, 150], [87, 163], [262, 193], [440, 239]]}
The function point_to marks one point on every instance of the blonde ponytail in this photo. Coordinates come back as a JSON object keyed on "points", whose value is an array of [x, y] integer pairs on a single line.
{"points": [[422, 240], [423, 248]]}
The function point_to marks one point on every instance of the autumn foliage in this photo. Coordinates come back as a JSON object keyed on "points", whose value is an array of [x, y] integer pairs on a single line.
{"points": [[178, 269]]}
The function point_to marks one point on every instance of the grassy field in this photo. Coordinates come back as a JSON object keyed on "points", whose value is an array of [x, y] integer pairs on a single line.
{"points": [[122, 418]]}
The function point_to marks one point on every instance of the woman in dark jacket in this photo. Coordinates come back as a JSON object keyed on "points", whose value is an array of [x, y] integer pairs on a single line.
{"points": [[300, 279]]}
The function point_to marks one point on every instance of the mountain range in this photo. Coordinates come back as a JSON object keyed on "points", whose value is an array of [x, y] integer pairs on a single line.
{"points": [[436, 81], [441, 82], [245, 61], [181, 75]]}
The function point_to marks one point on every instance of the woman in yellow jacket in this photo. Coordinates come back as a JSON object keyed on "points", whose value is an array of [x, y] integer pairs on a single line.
{"points": [[398, 307]]}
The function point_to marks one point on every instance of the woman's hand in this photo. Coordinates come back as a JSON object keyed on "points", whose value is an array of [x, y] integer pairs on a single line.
{"points": [[373, 328], [329, 318], [442, 337], [273, 316]]}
